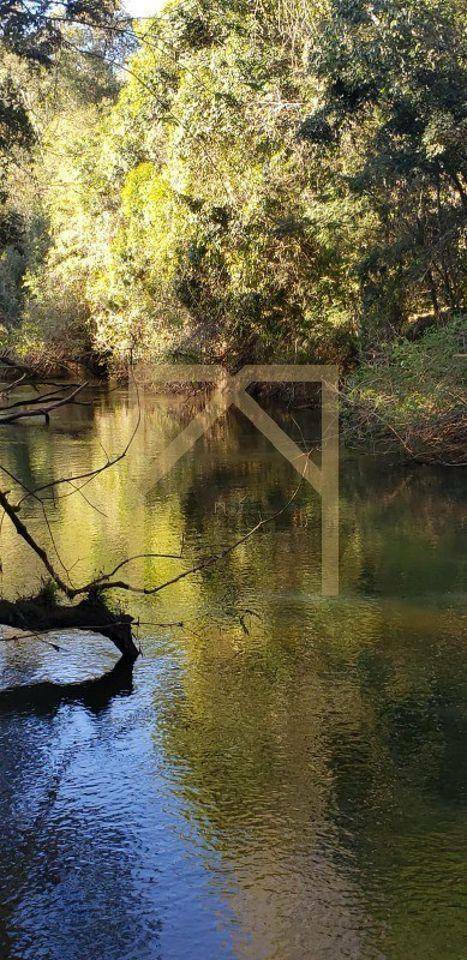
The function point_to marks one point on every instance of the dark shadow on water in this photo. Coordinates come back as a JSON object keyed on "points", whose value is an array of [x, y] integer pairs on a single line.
{"points": [[45, 698]]}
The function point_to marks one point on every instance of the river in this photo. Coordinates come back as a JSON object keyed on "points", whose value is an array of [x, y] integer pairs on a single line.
{"points": [[284, 777]]}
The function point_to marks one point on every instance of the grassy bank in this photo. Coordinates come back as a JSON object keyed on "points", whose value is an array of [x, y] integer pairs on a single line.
{"points": [[412, 396]]}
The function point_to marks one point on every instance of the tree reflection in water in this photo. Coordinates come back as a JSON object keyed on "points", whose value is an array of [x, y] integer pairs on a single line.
{"points": [[291, 790]]}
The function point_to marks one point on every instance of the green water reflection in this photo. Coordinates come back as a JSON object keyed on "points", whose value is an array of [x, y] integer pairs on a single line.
{"points": [[317, 747]]}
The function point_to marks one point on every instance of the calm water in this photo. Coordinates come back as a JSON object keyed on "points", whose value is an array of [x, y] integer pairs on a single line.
{"points": [[281, 784]]}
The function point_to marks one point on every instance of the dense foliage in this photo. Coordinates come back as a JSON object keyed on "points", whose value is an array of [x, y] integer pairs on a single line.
{"points": [[273, 179], [34, 32]]}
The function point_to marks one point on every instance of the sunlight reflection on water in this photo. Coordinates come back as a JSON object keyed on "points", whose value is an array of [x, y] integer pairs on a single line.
{"points": [[290, 791]]}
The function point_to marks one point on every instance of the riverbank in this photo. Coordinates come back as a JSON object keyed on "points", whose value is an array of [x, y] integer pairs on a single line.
{"points": [[412, 395], [407, 396]]}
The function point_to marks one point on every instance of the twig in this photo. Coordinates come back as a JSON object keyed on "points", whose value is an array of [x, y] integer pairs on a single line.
{"points": [[202, 565], [42, 411], [90, 474]]}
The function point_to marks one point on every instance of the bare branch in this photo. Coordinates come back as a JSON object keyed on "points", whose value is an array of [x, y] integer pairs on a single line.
{"points": [[210, 561], [22, 530], [43, 411], [90, 474]]}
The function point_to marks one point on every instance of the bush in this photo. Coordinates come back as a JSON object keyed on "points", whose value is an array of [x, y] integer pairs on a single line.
{"points": [[413, 393]]}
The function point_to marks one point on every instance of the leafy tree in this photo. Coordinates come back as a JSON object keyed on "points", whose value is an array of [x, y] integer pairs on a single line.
{"points": [[393, 84], [34, 31], [52, 63], [283, 179], [220, 247]]}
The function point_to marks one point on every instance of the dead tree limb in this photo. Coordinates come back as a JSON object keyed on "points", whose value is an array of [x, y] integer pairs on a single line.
{"points": [[39, 615], [45, 410], [23, 532], [105, 583], [92, 613], [45, 398]]}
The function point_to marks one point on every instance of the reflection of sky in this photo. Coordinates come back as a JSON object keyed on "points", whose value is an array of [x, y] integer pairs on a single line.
{"points": [[260, 794], [101, 841]]}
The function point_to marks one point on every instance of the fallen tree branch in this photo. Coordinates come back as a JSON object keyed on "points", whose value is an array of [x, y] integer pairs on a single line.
{"points": [[45, 398], [40, 615], [22, 530], [43, 411], [88, 475], [197, 568]]}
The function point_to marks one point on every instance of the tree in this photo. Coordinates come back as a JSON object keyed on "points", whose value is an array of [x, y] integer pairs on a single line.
{"points": [[34, 32], [71, 76], [218, 241], [279, 180], [393, 83]]}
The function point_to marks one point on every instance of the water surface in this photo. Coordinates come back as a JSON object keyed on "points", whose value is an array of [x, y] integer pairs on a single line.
{"points": [[281, 779]]}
